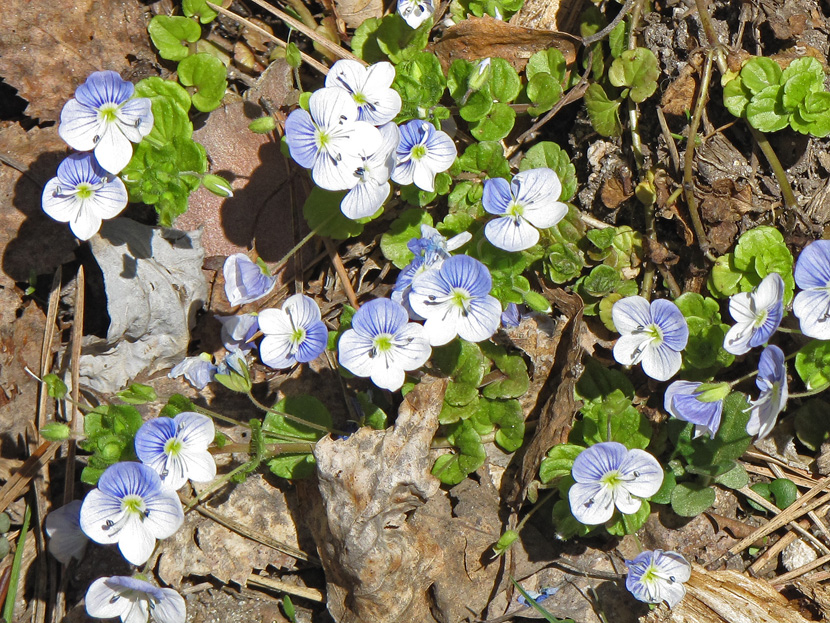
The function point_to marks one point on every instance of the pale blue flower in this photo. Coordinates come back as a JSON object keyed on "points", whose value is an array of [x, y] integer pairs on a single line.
{"points": [[383, 345], [538, 596], [83, 194], [245, 280], [372, 188], [326, 138], [415, 12], [422, 153], [237, 330], [610, 475], [130, 507], [757, 315], [133, 601], [652, 333], [293, 334], [511, 317], [234, 361], [102, 116], [655, 576], [370, 88], [698, 403], [177, 448], [772, 381], [198, 371], [455, 300], [63, 527], [812, 305], [529, 203]]}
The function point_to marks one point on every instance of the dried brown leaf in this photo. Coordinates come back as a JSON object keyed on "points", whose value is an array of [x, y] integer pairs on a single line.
{"points": [[355, 12]]}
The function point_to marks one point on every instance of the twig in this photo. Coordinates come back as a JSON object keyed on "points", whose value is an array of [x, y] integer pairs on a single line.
{"points": [[76, 421], [311, 594], [46, 346], [788, 577], [761, 501], [17, 482], [598, 36], [771, 553], [341, 272], [667, 136]]}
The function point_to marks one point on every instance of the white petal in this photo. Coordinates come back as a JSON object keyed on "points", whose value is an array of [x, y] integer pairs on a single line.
{"points": [[537, 187], [770, 291], [99, 600], [171, 609], [649, 473], [114, 150], [85, 224], [299, 134], [387, 377], [591, 503], [164, 514], [354, 353], [139, 613], [511, 234], [274, 322], [63, 208], [629, 349], [441, 329], [404, 173], [275, 352], [195, 430], [97, 508], [481, 321], [631, 313], [302, 310], [198, 466], [66, 539], [414, 349], [441, 151], [109, 200], [135, 543], [79, 125], [741, 308], [661, 362], [365, 199], [672, 593], [136, 117], [423, 176], [331, 174], [545, 214], [812, 307], [347, 74], [626, 504], [736, 340]]}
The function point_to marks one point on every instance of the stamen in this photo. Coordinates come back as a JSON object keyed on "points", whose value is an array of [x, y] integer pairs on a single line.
{"points": [[671, 579], [95, 139], [114, 598], [636, 474], [589, 503]]}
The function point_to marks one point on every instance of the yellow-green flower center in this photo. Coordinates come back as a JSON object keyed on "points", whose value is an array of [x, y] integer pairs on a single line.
{"points": [[85, 190], [418, 152], [173, 447], [359, 99], [107, 112], [515, 210], [613, 479], [383, 343], [650, 575], [133, 504], [297, 336]]}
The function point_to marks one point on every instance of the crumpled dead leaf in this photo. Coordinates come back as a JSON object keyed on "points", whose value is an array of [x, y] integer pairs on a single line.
{"points": [[154, 287], [355, 12]]}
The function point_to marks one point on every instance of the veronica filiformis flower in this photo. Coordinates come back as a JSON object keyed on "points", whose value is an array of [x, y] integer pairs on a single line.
{"points": [[422, 153], [66, 539], [83, 195], [133, 600], [812, 305], [326, 138], [177, 448], [757, 315], [131, 508], [652, 333], [655, 576], [370, 88], [455, 300], [529, 203], [245, 280], [372, 188], [609, 475], [103, 117], [415, 12], [293, 334], [237, 330], [383, 345], [698, 403], [772, 381], [197, 370]]}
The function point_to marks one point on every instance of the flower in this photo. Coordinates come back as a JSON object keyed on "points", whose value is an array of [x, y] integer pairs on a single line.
{"points": [[653, 333], [415, 12], [327, 140], [698, 403], [372, 188], [83, 194], [131, 508], [422, 153], [370, 88], [757, 315], [538, 596], [529, 202], [382, 344], [655, 576], [511, 317], [198, 371], [177, 448], [132, 600], [608, 474], [102, 117], [455, 300], [772, 381], [245, 281], [237, 330], [293, 334], [66, 539], [812, 305]]}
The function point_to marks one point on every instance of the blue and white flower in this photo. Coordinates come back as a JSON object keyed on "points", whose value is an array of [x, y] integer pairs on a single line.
{"points": [[372, 188], [511, 317], [652, 333], [237, 330], [63, 527], [415, 12], [370, 88], [198, 371], [772, 381], [812, 305], [698, 403], [422, 153], [757, 315], [103, 116], [655, 576], [245, 280], [133, 600], [455, 300], [538, 596], [610, 475], [130, 507], [383, 345], [293, 334], [527, 204], [177, 448], [327, 137], [83, 194]]}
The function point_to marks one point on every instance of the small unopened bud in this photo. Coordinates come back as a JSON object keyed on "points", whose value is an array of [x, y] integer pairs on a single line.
{"points": [[217, 185], [55, 431], [480, 75]]}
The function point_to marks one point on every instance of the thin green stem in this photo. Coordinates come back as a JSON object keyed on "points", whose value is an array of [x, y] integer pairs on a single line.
{"points": [[219, 482], [777, 169], [786, 330], [536, 507], [296, 419], [287, 257], [217, 416], [746, 377], [808, 393]]}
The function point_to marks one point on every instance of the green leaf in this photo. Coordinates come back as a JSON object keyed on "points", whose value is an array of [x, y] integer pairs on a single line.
{"points": [[598, 381], [421, 84], [736, 96], [559, 461], [784, 491], [5, 524], [766, 112], [812, 426], [372, 415], [465, 364], [200, 9], [543, 91], [155, 87], [602, 280], [486, 157], [322, 213], [398, 41], [55, 387], [512, 366], [663, 495], [288, 608], [551, 62], [537, 607], [637, 69], [691, 499], [451, 469], [504, 81], [508, 416], [805, 66], [603, 111], [276, 427], [263, 125], [16, 567], [403, 229], [617, 39], [171, 34], [495, 125], [797, 88], [566, 524], [627, 425], [207, 74], [293, 56], [563, 262], [759, 73], [176, 404], [365, 42], [550, 155], [735, 478], [622, 524], [138, 394], [812, 362]]}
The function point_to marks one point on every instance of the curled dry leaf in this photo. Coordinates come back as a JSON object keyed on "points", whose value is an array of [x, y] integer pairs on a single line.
{"points": [[355, 12]]}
